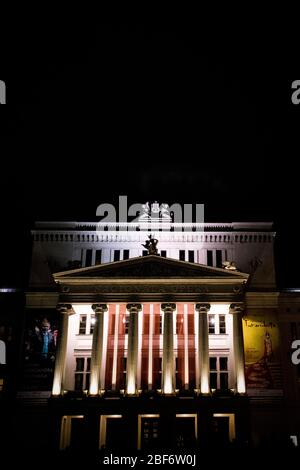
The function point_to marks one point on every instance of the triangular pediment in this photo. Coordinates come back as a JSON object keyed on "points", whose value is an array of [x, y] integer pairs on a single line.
{"points": [[150, 267]]}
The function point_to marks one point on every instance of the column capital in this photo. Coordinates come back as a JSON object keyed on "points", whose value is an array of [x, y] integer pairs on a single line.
{"points": [[236, 308], [203, 307], [65, 309], [168, 306], [99, 308], [134, 308]]}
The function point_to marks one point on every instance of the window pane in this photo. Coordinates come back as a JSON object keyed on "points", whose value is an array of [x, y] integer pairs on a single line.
{"points": [[163, 253], [78, 382], [125, 254], [209, 258], [182, 255], [82, 325], [92, 324], [88, 258], [98, 257], [213, 380], [79, 364], [223, 380], [223, 363], [117, 255], [213, 363], [219, 258], [160, 324], [88, 364], [222, 324], [87, 381], [211, 324], [126, 323], [191, 256]]}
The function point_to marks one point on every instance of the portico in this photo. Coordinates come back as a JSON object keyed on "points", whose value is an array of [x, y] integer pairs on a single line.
{"points": [[151, 324]]}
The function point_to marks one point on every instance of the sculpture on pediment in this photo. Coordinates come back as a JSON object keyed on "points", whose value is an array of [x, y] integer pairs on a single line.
{"points": [[165, 211], [229, 265], [150, 245], [145, 212]]}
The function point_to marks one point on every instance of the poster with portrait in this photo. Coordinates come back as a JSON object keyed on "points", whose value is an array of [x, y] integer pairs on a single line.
{"points": [[262, 353], [40, 343]]}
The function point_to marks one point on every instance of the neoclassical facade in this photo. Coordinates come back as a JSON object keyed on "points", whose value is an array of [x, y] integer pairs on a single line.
{"points": [[176, 348]]}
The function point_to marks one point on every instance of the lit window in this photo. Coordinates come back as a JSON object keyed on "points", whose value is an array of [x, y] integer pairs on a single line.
{"points": [[92, 324], [211, 324], [82, 373], [82, 325]]}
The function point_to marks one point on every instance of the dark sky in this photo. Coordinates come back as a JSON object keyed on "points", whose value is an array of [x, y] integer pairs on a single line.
{"points": [[165, 113]]}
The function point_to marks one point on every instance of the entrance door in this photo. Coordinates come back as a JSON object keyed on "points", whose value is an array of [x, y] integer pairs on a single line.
{"points": [[114, 433], [185, 431], [223, 429], [149, 432]]}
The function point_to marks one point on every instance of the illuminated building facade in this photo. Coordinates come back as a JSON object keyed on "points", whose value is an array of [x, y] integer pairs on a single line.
{"points": [[176, 349]]}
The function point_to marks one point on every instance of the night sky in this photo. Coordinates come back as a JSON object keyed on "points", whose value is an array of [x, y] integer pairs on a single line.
{"points": [[165, 113]]}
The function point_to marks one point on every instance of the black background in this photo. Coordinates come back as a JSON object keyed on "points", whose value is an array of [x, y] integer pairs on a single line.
{"points": [[170, 113]]}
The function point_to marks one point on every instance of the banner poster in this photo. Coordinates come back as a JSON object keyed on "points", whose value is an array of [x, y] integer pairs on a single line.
{"points": [[262, 353], [40, 341]]}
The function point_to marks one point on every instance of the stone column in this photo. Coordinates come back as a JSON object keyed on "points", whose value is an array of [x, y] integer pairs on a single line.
{"points": [[168, 365], [203, 349], [60, 361], [97, 349], [238, 346], [132, 350]]}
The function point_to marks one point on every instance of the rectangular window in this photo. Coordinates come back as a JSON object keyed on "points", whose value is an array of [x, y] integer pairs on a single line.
{"points": [[182, 255], [116, 255], [145, 252], [222, 324], [223, 380], [191, 256], [211, 324], [160, 324], [163, 253], [213, 363], [82, 325], [125, 254], [82, 373], [88, 258], [223, 363], [209, 258], [126, 323], [92, 324], [218, 373], [213, 380], [219, 258], [79, 364], [98, 257]]}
